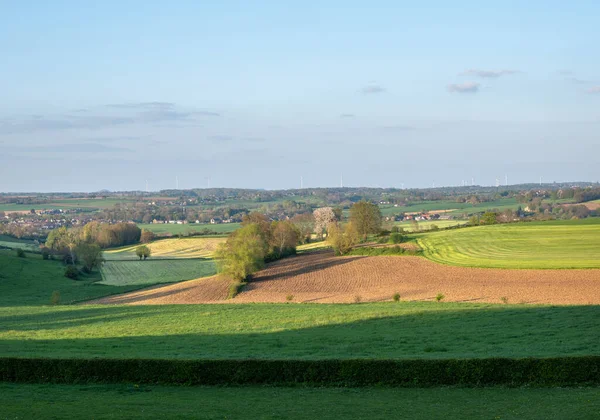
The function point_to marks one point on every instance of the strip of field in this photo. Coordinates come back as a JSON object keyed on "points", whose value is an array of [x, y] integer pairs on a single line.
{"points": [[426, 225], [194, 247], [130, 273], [175, 229], [140, 402], [560, 244], [405, 330]]}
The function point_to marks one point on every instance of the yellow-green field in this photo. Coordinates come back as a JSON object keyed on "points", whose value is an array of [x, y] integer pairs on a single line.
{"points": [[553, 244], [194, 247], [428, 224]]}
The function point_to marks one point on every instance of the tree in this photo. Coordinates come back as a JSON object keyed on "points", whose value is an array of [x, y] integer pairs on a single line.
{"points": [[243, 253], [90, 255], [342, 238], [305, 223], [64, 241], [143, 251], [284, 238], [323, 216], [365, 217], [489, 218], [147, 236]]}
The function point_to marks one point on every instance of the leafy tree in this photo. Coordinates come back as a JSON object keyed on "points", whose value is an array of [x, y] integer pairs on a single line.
{"points": [[143, 251], [489, 218], [284, 238], [64, 241], [342, 238], [365, 217], [305, 223], [90, 255], [147, 236], [243, 253]]}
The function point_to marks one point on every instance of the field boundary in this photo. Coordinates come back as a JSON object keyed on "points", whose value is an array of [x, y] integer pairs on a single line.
{"points": [[554, 371]]}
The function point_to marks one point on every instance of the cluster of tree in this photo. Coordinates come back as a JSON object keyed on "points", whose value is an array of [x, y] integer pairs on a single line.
{"points": [[365, 219], [256, 242], [110, 235]]}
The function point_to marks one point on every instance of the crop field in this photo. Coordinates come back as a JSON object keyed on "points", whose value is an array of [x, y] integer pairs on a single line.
{"points": [[21, 401], [10, 242], [426, 225], [555, 244], [174, 229], [183, 248], [132, 273], [319, 277]]}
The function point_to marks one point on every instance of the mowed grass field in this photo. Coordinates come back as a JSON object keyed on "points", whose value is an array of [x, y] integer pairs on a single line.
{"points": [[23, 401], [553, 244], [458, 208], [13, 243], [426, 225], [153, 271], [67, 203], [193, 247], [405, 330], [174, 229]]}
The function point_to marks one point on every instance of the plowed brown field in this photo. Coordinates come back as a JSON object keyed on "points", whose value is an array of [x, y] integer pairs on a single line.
{"points": [[321, 277]]}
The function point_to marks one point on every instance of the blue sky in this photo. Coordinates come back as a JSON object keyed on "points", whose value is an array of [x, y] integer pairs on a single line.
{"points": [[256, 95]]}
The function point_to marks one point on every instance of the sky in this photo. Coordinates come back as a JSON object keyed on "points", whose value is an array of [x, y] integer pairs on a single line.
{"points": [[121, 95]]}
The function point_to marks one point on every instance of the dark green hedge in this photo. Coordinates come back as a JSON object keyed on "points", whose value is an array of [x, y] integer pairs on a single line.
{"points": [[561, 371]]}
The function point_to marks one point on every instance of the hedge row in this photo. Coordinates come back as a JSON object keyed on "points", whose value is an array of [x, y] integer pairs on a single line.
{"points": [[562, 371]]}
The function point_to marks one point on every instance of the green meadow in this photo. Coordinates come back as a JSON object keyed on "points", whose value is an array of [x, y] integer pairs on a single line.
{"points": [[130, 273], [175, 229], [552, 244], [21, 401]]}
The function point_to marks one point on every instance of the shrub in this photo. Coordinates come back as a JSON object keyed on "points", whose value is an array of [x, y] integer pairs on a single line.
{"points": [[396, 297], [21, 253], [289, 298], [45, 252], [234, 289], [396, 238], [71, 272], [55, 298], [143, 251], [439, 297], [504, 299]]}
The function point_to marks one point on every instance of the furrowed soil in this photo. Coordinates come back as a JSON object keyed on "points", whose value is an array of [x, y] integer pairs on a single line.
{"points": [[322, 278]]}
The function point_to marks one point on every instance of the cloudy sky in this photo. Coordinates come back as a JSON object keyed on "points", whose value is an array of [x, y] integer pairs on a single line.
{"points": [[387, 93]]}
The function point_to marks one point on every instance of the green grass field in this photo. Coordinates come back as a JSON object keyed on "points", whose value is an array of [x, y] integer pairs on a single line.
{"points": [[554, 244], [404, 330], [66, 203], [155, 271], [10, 242], [431, 206], [162, 228], [23, 401], [31, 281]]}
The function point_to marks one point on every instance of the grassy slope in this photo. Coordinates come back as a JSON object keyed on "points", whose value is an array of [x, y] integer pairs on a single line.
{"points": [[66, 204], [155, 271], [131, 401], [177, 229], [31, 281], [300, 331], [555, 244]]}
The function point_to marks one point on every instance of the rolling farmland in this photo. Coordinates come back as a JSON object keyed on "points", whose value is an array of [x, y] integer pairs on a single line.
{"points": [[135, 273], [182, 248], [555, 244]]}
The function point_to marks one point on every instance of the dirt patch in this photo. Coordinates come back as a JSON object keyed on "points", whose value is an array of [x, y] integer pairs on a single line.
{"points": [[205, 290], [321, 277]]}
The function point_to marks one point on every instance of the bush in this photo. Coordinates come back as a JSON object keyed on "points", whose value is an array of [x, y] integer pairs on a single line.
{"points": [[21, 253], [504, 299], [396, 238], [71, 272], [55, 298], [439, 297], [289, 298], [234, 289], [396, 297], [45, 253]]}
